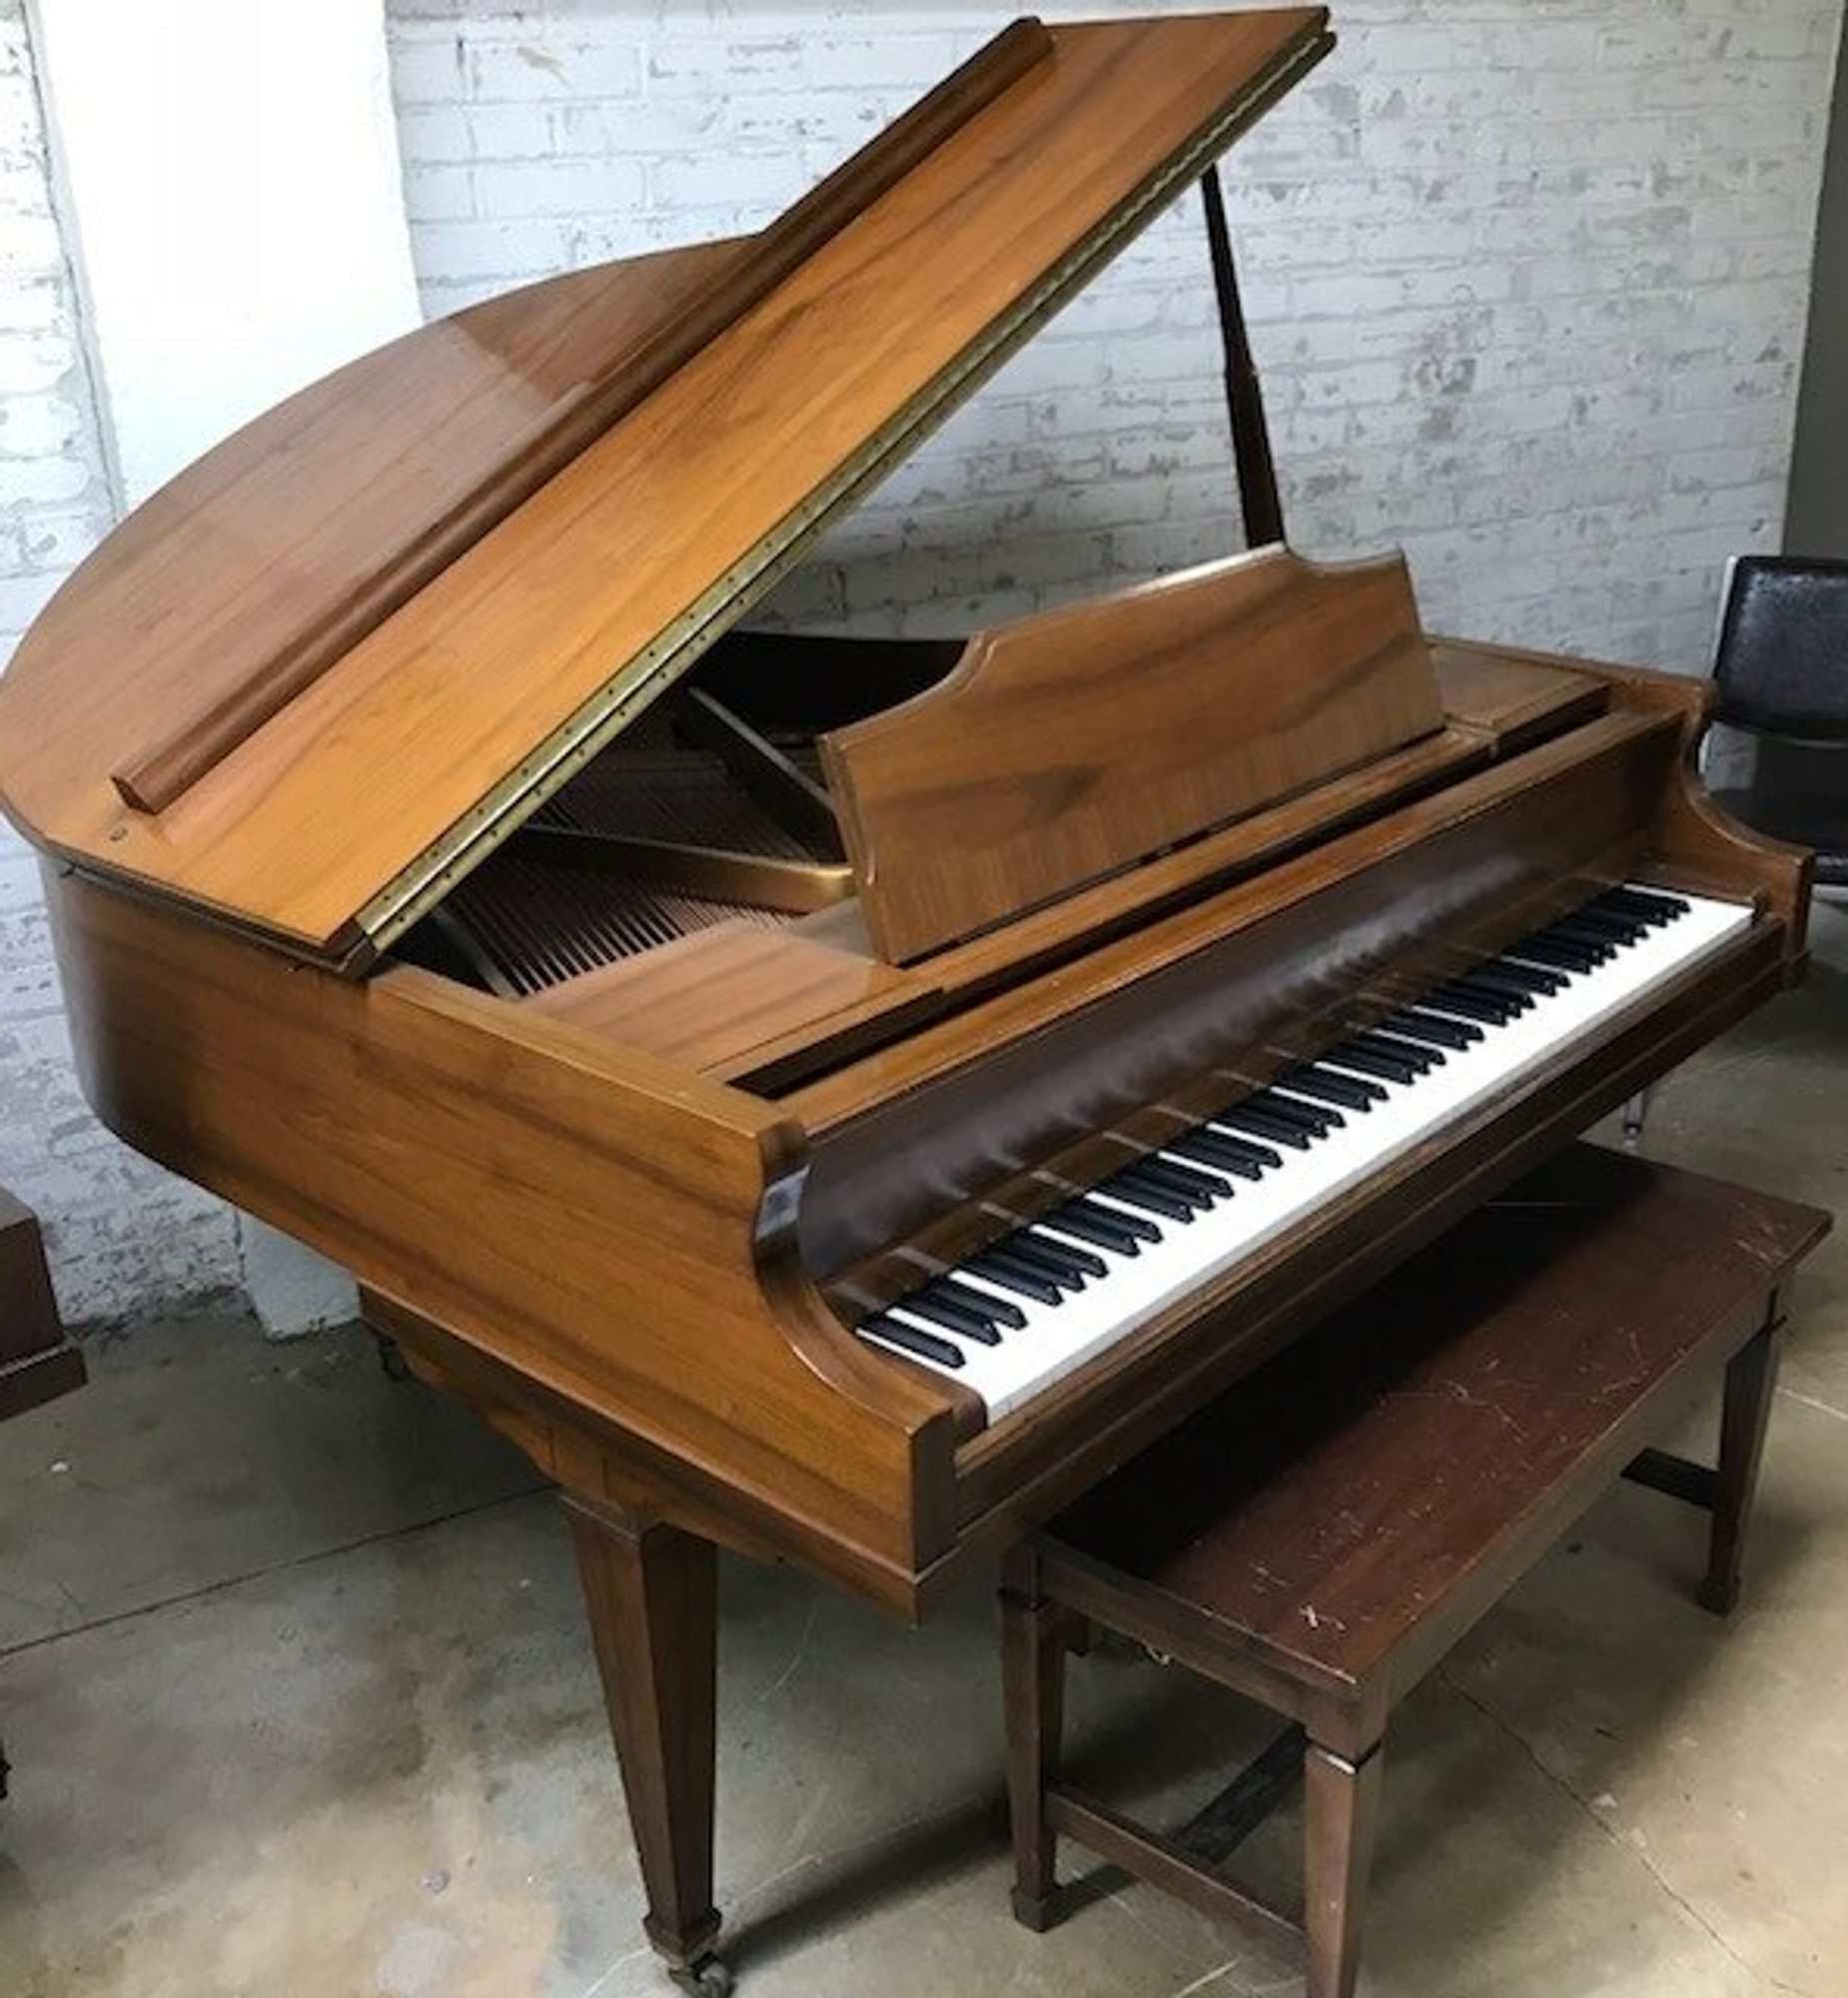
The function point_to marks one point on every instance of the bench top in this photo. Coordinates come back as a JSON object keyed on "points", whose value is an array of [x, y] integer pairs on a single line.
{"points": [[1348, 1510]]}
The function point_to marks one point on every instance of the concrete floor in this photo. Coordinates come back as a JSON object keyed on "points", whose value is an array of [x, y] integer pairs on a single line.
{"points": [[295, 1679]]}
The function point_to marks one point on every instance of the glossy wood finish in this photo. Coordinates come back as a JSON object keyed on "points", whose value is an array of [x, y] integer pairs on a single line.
{"points": [[618, 382], [952, 1111], [1020, 778], [1515, 698], [1575, 797], [1320, 1540], [448, 722], [585, 1214], [652, 1594], [733, 1000], [37, 1362]]}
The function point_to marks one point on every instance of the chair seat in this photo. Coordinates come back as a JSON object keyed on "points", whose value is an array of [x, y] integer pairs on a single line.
{"points": [[1803, 817]]}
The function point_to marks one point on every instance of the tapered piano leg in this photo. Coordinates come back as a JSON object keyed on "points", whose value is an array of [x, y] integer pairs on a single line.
{"points": [[653, 1592]]}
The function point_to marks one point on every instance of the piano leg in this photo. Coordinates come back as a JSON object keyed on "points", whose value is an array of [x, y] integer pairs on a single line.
{"points": [[652, 1593]]}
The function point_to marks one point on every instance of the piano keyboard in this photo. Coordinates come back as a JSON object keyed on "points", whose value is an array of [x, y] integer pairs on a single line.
{"points": [[1037, 1304]]}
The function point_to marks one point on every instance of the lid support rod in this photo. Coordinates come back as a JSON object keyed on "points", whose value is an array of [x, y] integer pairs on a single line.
{"points": [[1258, 501]]}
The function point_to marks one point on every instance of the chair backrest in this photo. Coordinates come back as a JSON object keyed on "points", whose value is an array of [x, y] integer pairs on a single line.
{"points": [[1781, 664]]}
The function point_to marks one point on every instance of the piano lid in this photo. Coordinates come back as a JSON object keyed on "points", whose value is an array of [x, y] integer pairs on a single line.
{"points": [[327, 669]]}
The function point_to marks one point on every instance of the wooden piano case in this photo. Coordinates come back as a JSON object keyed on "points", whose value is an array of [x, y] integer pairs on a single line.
{"points": [[439, 870]]}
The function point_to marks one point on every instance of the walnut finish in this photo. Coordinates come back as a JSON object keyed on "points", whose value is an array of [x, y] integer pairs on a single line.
{"points": [[678, 325], [449, 721], [606, 1213], [730, 1001], [1024, 776], [613, 1228]]}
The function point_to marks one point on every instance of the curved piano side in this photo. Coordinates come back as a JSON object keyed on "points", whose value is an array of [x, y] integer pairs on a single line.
{"points": [[593, 1246]]}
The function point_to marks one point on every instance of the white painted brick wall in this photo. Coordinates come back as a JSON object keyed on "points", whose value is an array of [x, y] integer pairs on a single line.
{"points": [[123, 1236], [1527, 279]]}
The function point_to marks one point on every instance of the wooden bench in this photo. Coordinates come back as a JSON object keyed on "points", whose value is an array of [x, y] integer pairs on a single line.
{"points": [[1320, 1538]]}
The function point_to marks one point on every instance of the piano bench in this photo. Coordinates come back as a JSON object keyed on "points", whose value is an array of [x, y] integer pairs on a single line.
{"points": [[1319, 1539]]}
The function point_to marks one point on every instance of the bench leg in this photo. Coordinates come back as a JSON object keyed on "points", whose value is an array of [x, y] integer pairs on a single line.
{"points": [[1033, 1646], [1340, 1800], [1751, 1379]]}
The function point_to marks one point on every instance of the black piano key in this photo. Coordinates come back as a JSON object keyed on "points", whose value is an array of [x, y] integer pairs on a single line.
{"points": [[1206, 1148], [1352, 1092], [1254, 1149], [1485, 987], [1265, 1157], [952, 1317], [1138, 1225], [1310, 1116], [1645, 904], [1620, 931], [1088, 1261], [1023, 1281], [1424, 1059], [1602, 948], [1029, 1256], [1570, 957], [1193, 1183], [1135, 1192], [1471, 1005], [998, 1311], [1471, 1030], [1508, 981], [1388, 1067], [1537, 978], [1096, 1224], [1062, 1265], [926, 1345], [1255, 1124], [1431, 1028]]}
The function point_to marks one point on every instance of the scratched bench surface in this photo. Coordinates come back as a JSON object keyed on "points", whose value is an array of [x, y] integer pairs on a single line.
{"points": [[1391, 1467]]}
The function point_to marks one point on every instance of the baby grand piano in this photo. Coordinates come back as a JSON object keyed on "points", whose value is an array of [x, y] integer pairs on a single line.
{"points": [[833, 1101]]}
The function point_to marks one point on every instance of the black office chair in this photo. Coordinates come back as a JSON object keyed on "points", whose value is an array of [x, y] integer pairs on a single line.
{"points": [[1780, 676]]}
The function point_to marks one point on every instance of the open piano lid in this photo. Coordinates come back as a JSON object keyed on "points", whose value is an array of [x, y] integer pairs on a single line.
{"points": [[326, 671]]}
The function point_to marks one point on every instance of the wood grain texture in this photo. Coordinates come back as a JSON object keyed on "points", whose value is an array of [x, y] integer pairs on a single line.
{"points": [[1105, 910], [1521, 824], [1513, 698], [1068, 747], [736, 999], [441, 727], [285, 541], [652, 1594], [1397, 1471], [600, 1222], [677, 327]]}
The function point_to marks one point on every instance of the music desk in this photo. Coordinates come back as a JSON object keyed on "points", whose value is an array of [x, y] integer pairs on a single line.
{"points": [[1319, 1540]]}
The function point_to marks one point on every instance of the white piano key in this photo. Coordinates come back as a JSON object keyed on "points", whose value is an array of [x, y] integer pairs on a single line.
{"points": [[1056, 1339]]}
